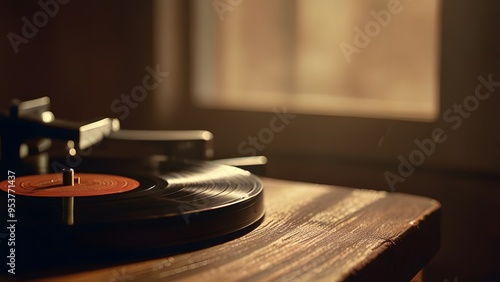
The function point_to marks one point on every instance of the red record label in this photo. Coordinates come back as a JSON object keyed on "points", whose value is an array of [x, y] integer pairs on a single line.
{"points": [[51, 185]]}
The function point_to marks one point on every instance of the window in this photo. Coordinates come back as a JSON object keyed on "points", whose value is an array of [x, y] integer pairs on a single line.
{"points": [[376, 58], [188, 42]]}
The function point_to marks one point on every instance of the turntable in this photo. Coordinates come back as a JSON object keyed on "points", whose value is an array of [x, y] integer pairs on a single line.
{"points": [[88, 201]]}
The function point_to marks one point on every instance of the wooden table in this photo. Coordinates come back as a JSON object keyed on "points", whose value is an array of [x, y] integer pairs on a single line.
{"points": [[312, 233]]}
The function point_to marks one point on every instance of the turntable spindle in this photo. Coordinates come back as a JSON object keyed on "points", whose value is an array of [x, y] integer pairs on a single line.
{"points": [[68, 176]]}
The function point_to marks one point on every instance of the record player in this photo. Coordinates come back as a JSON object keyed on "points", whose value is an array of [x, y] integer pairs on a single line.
{"points": [[89, 201], [109, 194]]}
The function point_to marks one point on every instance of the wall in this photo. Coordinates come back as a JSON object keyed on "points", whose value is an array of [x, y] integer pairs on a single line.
{"points": [[84, 56]]}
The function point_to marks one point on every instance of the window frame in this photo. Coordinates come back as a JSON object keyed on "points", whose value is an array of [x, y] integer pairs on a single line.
{"points": [[343, 139]]}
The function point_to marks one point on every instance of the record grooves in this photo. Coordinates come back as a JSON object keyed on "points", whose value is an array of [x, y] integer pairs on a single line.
{"points": [[176, 206]]}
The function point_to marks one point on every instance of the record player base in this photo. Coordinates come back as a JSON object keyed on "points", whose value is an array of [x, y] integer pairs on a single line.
{"points": [[310, 233]]}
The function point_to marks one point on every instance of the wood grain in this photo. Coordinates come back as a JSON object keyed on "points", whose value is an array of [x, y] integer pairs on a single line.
{"points": [[310, 233]]}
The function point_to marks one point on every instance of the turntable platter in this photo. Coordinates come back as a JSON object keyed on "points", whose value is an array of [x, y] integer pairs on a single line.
{"points": [[119, 215]]}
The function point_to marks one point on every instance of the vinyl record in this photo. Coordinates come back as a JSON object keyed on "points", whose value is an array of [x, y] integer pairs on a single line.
{"points": [[117, 212]]}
